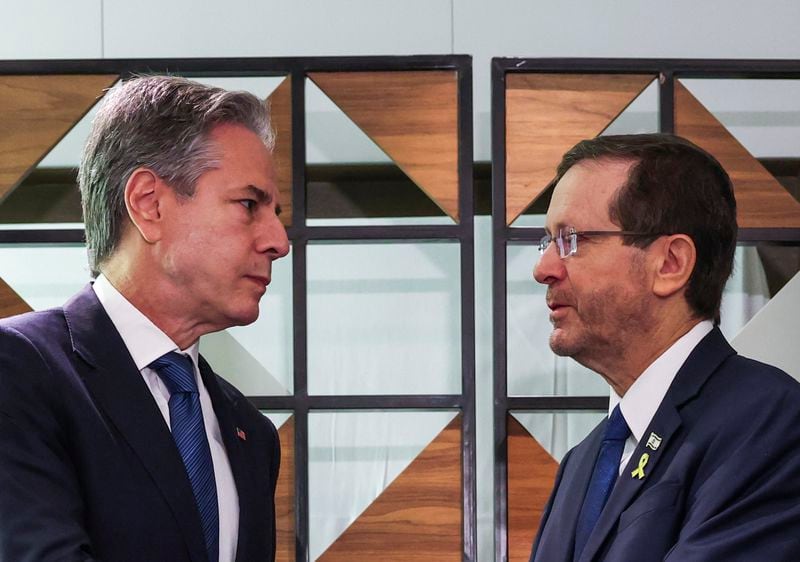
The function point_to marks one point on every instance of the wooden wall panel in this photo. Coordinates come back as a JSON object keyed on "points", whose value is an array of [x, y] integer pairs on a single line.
{"points": [[410, 115], [531, 474], [284, 496], [10, 302], [418, 517], [546, 115], [761, 200], [281, 111], [35, 113]]}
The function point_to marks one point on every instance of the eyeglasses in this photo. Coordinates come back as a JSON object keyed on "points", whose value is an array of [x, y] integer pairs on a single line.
{"points": [[567, 238]]}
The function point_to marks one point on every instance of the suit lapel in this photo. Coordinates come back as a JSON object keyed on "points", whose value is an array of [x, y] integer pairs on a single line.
{"points": [[237, 456], [558, 537], [665, 423], [118, 387], [699, 366]]}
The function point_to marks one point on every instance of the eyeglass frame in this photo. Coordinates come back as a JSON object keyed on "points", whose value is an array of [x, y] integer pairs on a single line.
{"points": [[573, 234]]}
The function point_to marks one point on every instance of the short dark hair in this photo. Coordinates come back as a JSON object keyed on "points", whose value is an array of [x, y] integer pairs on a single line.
{"points": [[673, 187], [162, 123]]}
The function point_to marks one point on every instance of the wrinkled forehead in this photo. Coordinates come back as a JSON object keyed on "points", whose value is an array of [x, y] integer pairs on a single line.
{"points": [[582, 196]]}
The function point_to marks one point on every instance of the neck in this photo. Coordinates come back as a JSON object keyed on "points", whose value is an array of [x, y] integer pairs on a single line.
{"points": [[157, 300], [621, 369]]}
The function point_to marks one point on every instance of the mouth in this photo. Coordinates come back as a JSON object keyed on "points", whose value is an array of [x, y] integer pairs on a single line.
{"points": [[558, 311], [258, 279]]}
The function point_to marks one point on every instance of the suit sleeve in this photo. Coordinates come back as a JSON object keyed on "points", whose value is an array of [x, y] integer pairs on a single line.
{"points": [[41, 511], [749, 508]]}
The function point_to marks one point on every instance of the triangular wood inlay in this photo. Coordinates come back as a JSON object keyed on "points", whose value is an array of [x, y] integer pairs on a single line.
{"points": [[284, 496], [761, 201], [10, 302], [280, 101], [418, 517], [412, 116], [35, 113], [546, 115], [531, 474]]}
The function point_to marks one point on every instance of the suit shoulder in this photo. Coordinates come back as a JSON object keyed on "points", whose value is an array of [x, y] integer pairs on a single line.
{"points": [[760, 380], [40, 327]]}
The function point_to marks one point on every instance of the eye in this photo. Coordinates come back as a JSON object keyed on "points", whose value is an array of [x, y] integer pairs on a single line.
{"points": [[249, 204]]}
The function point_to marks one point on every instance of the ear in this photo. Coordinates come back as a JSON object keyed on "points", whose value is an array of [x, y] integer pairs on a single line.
{"points": [[143, 193], [675, 257]]}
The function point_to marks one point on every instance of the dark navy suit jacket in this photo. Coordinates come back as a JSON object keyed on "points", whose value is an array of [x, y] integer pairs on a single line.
{"points": [[89, 469], [723, 485]]}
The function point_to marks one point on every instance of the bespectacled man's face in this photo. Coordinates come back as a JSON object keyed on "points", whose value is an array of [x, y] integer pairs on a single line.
{"points": [[221, 242], [597, 297]]}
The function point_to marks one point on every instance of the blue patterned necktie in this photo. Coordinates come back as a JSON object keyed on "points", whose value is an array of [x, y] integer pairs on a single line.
{"points": [[606, 471], [186, 420]]}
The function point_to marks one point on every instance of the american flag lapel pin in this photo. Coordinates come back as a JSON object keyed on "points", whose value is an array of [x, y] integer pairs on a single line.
{"points": [[241, 434]]}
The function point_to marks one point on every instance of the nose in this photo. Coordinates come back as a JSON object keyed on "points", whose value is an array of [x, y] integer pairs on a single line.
{"points": [[272, 239], [550, 267]]}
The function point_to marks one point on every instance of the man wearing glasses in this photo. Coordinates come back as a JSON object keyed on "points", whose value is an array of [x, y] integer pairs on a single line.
{"points": [[699, 458]]}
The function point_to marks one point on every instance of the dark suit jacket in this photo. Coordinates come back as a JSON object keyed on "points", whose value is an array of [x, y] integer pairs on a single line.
{"points": [[89, 469], [723, 485]]}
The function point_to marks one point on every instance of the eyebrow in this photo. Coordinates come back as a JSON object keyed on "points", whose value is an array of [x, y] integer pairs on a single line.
{"points": [[262, 196]]}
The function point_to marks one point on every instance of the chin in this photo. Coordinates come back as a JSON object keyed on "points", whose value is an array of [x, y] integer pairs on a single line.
{"points": [[245, 316], [560, 344]]}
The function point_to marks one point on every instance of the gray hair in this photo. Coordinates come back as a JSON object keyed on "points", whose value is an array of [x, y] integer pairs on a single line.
{"points": [[161, 123]]}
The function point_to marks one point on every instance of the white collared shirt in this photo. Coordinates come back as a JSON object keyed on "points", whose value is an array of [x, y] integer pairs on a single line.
{"points": [[146, 343], [643, 398]]}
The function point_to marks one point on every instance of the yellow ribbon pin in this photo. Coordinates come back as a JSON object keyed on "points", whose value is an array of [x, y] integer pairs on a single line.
{"points": [[640, 469]]}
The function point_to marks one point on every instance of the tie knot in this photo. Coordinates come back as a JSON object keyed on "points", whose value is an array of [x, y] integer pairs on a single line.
{"points": [[176, 371], [616, 428]]}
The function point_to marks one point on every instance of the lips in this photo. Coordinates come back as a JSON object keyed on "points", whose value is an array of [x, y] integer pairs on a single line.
{"points": [[259, 279]]}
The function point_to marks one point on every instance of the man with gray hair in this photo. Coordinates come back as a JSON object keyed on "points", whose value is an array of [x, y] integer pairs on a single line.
{"points": [[119, 443]]}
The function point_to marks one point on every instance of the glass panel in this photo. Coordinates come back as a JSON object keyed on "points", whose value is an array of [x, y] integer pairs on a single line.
{"points": [[44, 276], [762, 114], [384, 318], [278, 418], [559, 431], [351, 177], [641, 116], [353, 457]]}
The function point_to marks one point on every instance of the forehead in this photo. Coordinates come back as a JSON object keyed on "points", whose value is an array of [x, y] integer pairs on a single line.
{"points": [[243, 155], [582, 196]]}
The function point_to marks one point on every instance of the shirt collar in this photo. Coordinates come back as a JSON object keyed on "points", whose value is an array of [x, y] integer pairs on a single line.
{"points": [[643, 398], [144, 340]]}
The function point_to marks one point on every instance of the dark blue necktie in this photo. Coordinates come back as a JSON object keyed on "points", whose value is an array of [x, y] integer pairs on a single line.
{"points": [[186, 420], [606, 471]]}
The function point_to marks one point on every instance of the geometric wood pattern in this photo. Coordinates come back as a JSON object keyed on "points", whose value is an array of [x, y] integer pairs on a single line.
{"points": [[417, 518], [412, 116], [284, 496], [35, 113], [546, 115], [280, 104], [10, 302], [531, 474], [761, 201]]}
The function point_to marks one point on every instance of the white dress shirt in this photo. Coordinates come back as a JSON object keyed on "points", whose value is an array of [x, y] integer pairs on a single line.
{"points": [[146, 343], [643, 398]]}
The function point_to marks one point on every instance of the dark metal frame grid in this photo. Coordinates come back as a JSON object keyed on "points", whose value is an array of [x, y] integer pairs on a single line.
{"points": [[301, 403], [666, 71]]}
